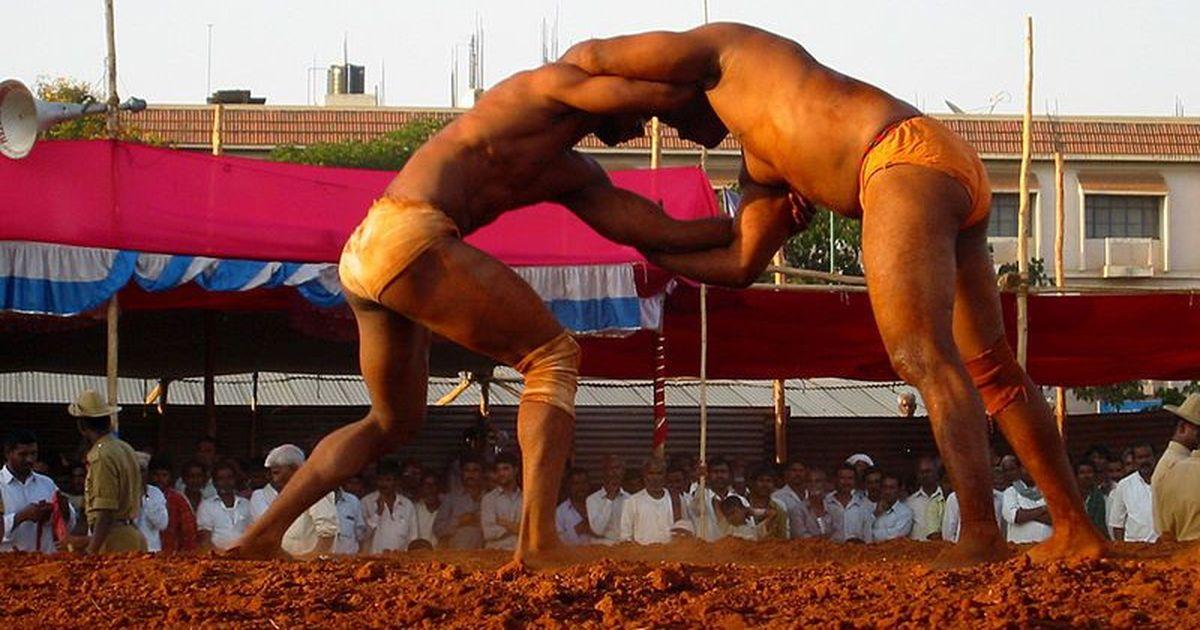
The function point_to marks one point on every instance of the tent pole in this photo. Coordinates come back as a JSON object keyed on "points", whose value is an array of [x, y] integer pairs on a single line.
{"points": [[661, 424], [112, 128], [778, 390], [704, 506], [210, 393], [218, 114], [1023, 208], [1060, 281]]}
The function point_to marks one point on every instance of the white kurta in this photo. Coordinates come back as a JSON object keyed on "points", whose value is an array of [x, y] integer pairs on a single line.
{"points": [[566, 519], [317, 522], [1133, 509], [425, 519], [919, 502], [646, 520], [392, 527], [153, 518], [227, 524], [260, 500], [1029, 531], [15, 495], [495, 505], [952, 516], [352, 526], [604, 514]]}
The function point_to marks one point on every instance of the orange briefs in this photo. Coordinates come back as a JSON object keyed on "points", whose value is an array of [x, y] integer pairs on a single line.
{"points": [[394, 234], [923, 141]]}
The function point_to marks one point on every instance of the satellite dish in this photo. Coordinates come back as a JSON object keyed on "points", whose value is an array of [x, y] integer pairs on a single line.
{"points": [[22, 116], [954, 108]]}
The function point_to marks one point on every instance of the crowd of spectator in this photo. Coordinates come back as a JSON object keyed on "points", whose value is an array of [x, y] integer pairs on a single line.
{"points": [[208, 501]]}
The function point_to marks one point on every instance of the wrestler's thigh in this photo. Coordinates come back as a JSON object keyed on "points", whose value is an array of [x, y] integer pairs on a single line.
{"points": [[978, 319], [394, 357], [468, 297], [910, 229]]}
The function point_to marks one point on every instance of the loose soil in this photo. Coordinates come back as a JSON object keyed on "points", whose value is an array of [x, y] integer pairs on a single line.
{"points": [[732, 584]]}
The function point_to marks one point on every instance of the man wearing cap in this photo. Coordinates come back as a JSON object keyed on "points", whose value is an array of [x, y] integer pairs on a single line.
{"points": [[113, 489], [1176, 481], [313, 533], [27, 498]]}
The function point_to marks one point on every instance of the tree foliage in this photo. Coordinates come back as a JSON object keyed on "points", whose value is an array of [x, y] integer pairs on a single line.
{"points": [[68, 90], [1133, 390], [388, 152], [1037, 272], [810, 248]]}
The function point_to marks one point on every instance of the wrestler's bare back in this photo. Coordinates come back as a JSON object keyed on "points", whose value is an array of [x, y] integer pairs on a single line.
{"points": [[514, 148]]}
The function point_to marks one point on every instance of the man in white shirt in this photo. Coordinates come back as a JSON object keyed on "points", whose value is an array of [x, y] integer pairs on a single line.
{"points": [[928, 493], [457, 522], [221, 520], [390, 516], [709, 520], [26, 498], [1025, 511], [1132, 514], [849, 511], [791, 497], [207, 456], [604, 505], [500, 509], [893, 519], [313, 533], [952, 516], [654, 515], [352, 525], [429, 501], [153, 517], [571, 517]]}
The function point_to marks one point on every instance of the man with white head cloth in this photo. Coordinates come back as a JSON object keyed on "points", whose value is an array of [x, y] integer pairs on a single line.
{"points": [[312, 533]]}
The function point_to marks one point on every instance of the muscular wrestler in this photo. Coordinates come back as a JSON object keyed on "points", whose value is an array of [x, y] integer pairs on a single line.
{"points": [[407, 274], [813, 136]]}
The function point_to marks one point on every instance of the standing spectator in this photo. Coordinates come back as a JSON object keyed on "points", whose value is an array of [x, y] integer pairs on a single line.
{"points": [[677, 482], [354, 485], [195, 481], [1176, 480], [849, 512], [153, 516], [928, 493], [791, 497], [500, 509], [390, 516], [457, 523], [1010, 466], [604, 505], [223, 519], [873, 485], [632, 481], [207, 456], [352, 525], [769, 515], [429, 501], [180, 535], [710, 521], [906, 404], [653, 515], [738, 483], [1099, 457], [26, 498], [75, 497], [571, 516], [1025, 511], [410, 478], [1094, 502], [893, 519], [313, 533], [817, 522], [114, 486], [1132, 515], [862, 463]]}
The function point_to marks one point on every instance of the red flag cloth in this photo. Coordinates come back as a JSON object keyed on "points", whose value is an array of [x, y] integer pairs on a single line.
{"points": [[58, 520]]}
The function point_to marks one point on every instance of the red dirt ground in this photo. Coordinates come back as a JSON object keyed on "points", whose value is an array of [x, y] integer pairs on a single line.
{"points": [[732, 584]]}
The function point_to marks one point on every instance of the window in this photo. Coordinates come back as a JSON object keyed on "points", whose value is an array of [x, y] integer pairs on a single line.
{"points": [[1122, 216], [1002, 222]]}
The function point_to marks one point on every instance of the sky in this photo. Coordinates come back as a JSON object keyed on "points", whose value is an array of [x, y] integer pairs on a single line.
{"points": [[1091, 57]]}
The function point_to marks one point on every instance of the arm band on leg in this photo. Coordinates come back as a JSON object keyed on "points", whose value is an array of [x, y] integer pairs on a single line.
{"points": [[552, 373], [998, 377]]}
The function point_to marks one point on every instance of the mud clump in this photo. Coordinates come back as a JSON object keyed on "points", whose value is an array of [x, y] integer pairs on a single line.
{"points": [[732, 584]]}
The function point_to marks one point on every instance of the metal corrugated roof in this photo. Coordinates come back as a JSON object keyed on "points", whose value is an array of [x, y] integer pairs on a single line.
{"points": [[814, 397]]}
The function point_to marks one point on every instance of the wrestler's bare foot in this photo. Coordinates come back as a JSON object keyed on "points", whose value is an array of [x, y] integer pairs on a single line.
{"points": [[972, 551], [258, 548], [1070, 543]]}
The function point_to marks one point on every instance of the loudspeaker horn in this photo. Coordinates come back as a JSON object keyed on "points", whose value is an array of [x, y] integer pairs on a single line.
{"points": [[22, 116]]}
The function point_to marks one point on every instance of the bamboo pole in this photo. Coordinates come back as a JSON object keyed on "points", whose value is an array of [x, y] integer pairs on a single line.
{"points": [[702, 485], [778, 386], [1023, 214], [113, 314], [655, 143], [661, 424], [1060, 394], [210, 388], [218, 115]]}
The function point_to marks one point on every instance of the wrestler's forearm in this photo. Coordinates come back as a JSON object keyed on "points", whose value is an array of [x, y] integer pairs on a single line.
{"points": [[629, 219], [720, 267]]}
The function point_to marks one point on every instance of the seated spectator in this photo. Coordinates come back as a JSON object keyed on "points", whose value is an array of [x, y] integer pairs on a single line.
{"points": [[571, 517], [707, 518], [313, 533], [632, 481], [500, 510], [223, 519], [457, 523], [767, 514], [352, 524], [892, 518], [180, 535], [389, 515], [153, 517], [791, 497], [849, 512], [739, 522], [604, 505], [1176, 480], [1094, 502], [1025, 511], [927, 502], [429, 501], [1132, 514], [195, 484], [27, 498], [653, 515], [1011, 467]]}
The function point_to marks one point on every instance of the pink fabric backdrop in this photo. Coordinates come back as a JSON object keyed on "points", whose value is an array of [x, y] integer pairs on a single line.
{"points": [[127, 196]]}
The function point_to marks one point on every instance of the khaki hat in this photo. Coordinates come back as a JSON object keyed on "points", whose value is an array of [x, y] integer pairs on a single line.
{"points": [[89, 404], [1189, 410]]}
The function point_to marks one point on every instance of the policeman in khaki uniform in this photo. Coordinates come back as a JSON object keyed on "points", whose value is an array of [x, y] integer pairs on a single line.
{"points": [[1176, 481], [113, 490]]}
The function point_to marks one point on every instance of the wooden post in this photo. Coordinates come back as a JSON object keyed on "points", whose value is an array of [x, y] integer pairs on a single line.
{"points": [[778, 389], [704, 506], [210, 388], [218, 114], [658, 446], [113, 314], [1060, 394], [1023, 214]]}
